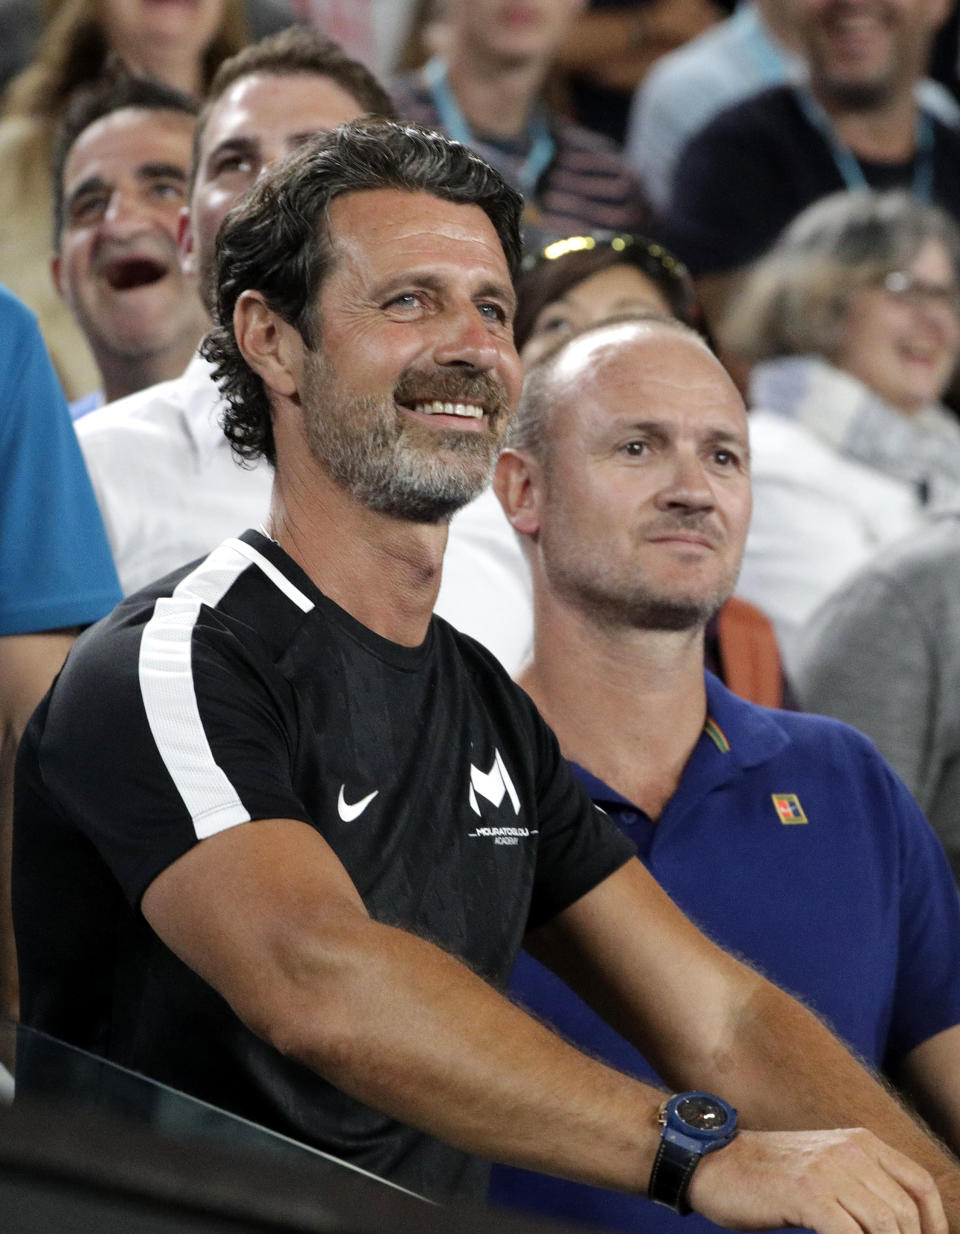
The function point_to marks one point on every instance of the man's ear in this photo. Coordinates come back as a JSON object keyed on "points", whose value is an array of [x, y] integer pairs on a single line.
{"points": [[188, 259], [272, 348], [56, 273], [518, 484]]}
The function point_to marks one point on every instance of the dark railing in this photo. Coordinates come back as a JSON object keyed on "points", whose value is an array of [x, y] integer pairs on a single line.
{"points": [[88, 1146]]}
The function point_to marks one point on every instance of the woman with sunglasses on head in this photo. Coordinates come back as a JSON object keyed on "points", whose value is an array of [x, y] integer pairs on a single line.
{"points": [[579, 281], [852, 323]]}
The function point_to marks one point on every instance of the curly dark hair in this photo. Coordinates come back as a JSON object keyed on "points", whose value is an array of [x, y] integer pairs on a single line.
{"points": [[276, 241]]}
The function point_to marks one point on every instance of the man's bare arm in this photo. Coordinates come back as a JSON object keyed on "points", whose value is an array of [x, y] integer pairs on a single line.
{"points": [[266, 913], [706, 1020], [28, 664], [930, 1076]]}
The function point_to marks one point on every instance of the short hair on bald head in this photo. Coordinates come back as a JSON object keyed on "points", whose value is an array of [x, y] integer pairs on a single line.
{"points": [[530, 427]]}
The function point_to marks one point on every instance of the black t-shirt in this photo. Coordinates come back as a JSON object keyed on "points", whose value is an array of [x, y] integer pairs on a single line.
{"points": [[757, 165], [234, 690]]}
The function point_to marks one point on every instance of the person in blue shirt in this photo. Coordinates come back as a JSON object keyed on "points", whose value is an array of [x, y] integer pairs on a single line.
{"points": [[785, 837], [56, 571]]}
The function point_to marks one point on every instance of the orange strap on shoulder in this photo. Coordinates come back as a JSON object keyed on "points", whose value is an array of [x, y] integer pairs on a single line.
{"points": [[749, 654]]}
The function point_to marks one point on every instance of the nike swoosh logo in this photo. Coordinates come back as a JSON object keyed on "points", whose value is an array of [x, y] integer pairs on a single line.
{"points": [[349, 812]]}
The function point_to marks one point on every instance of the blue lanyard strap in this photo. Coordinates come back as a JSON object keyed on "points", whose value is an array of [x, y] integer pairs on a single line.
{"points": [[542, 146], [846, 161]]}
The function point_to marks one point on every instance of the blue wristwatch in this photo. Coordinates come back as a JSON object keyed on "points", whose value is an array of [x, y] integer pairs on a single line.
{"points": [[691, 1125]]}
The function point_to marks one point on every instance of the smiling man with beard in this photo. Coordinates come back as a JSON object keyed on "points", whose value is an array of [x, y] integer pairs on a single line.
{"points": [[120, 181], [281, 830]]}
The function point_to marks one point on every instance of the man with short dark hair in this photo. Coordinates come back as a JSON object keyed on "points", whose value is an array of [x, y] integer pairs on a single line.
{"points": [[121, 163], [264, 101], [628, 479], [306, 824]]}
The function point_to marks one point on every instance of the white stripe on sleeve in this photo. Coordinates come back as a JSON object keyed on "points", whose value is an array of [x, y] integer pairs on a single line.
{"points": [[167, 686]]}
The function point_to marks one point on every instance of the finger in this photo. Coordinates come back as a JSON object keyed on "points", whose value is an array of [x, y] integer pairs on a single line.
{"points": [[919, 1185], [879, 1205], [893, 1190]]}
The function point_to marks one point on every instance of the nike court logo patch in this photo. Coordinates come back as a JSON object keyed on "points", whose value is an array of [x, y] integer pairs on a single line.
{"points": [[349, 812]]}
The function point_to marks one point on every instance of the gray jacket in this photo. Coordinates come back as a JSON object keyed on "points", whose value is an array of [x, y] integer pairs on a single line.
{"points": [[883, 653]]}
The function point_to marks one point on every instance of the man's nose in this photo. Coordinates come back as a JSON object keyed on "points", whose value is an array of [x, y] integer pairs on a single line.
{"points": [[686, 483], [464, 338], [124, 213]]}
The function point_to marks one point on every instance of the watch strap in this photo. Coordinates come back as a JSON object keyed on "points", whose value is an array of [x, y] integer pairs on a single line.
{"points": [[670, 1177]]}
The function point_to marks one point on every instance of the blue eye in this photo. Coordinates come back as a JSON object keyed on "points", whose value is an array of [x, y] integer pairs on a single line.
{"points": [[495, 312], [407, 299]]}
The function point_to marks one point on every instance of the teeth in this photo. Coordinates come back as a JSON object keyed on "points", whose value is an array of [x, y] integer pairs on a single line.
{"points": [[436, 408]]}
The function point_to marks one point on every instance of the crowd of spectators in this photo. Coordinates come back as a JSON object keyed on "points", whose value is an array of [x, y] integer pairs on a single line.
{"points": [[780, 176]]}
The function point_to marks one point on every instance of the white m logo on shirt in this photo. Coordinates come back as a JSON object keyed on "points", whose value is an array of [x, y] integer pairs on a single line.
{"points": [[492, 784]]}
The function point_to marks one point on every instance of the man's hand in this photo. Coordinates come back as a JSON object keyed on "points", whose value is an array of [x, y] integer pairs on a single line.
{"points": [[834, 1182]]}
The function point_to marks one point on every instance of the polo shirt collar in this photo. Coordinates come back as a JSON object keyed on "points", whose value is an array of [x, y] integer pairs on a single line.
{"points": [[736, 735]]}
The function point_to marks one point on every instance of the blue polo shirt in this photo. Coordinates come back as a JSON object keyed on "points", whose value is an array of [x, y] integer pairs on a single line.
{"points": [[792, 843]]}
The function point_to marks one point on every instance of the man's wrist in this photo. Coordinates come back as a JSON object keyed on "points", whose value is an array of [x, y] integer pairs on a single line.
{"points": [[692, 1125]]}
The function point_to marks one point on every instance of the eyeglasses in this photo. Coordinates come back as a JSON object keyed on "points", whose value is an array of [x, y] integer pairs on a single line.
{"points": [[918, 294]]}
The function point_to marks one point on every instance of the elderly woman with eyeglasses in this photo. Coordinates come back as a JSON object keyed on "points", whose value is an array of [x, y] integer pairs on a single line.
{"points": [[852, 323]]}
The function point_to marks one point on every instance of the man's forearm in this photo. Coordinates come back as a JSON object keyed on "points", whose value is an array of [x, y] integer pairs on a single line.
{"points": [[414, 1033], [267, 915], [431, 1044], [785, 1070]]}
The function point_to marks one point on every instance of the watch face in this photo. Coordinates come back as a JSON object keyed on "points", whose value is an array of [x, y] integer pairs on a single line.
{"points": [[702, 1113]]}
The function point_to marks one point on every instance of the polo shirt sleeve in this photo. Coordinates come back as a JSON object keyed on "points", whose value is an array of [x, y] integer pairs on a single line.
{"points": [[579, 845], [927, 998], [55, 565]]}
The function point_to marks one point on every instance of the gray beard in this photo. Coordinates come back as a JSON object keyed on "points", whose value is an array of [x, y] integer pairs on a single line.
{"points": [[387, 474], [365, 448]]}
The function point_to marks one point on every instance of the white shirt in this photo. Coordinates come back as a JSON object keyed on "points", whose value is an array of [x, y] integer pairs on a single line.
{"points": [[817, 517], [170, 490]]}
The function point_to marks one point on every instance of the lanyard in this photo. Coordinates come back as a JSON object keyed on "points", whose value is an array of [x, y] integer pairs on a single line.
{"points": [[542, 148], [846, 161]]}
